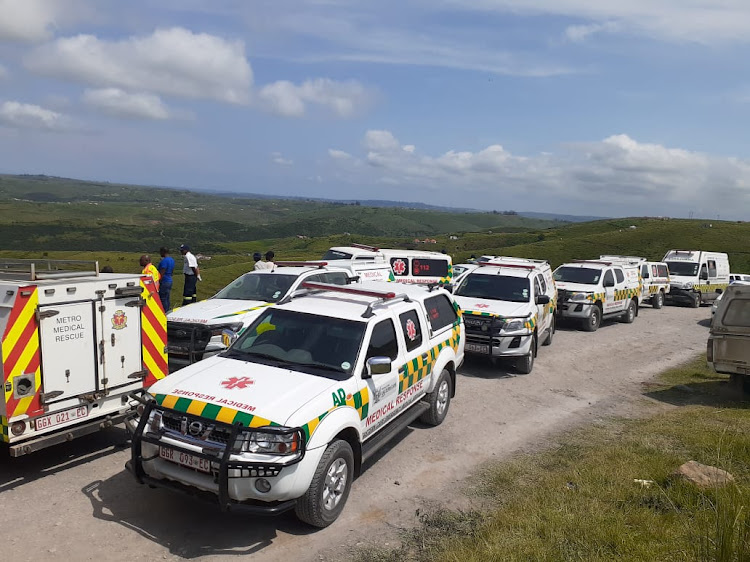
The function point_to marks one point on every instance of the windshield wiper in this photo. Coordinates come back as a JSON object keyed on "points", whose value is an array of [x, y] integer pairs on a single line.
{"points": [[322, 366]]}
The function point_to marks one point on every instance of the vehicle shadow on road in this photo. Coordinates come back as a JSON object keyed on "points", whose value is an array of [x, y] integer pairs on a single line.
{"points": [[706, 322], [715, 394], [16, 472], [185, 526], [485, 368]]}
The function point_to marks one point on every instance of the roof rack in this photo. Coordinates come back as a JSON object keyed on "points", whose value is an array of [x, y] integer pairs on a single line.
{"points": [[35, 270], [510, 265], [301, 263], [513, 259], [600, 262], [617, 257], [383, 296], [365, 247]]}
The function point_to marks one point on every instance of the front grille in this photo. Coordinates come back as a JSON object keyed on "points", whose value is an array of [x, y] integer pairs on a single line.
{"points": [[183, 337], [482, 326], [175, 422]]}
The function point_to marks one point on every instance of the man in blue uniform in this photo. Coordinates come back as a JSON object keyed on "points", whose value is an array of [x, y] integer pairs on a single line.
{"points": [[165, 267]]}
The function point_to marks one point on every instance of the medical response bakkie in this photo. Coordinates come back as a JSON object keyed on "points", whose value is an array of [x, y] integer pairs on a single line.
{"points": [[206, 328], [75, 344], [728, 348], [508, 306], [696, 276], [654, 276], [408, 266], [591, 290], [286, 416]]}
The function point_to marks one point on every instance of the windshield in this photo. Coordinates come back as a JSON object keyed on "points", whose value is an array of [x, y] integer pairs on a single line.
{"points": [[318, 345], [332, 255], [495, 287], [269, 287], [582, 275], [683, 268]]}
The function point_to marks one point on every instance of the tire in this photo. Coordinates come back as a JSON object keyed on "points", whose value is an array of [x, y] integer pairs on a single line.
{"points": [[630, 313], [552, 328], [592, 323], [657, 301], [697, 301], [525, 364], [439, 400], [325, 498]]}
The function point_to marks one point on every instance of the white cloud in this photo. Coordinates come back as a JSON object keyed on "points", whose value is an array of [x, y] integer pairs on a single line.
{"points": [[278, 158], [579, 33], [119, 103], [26, 20], [172, 61], [616, 175], [18, 115], [338, 154], [343, 99]]}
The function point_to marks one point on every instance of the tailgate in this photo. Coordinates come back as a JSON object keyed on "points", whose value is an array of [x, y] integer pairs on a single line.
{"points": [[732, 350]]}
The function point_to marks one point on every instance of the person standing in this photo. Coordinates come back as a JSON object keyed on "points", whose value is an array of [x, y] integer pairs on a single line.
{"points": [[192, 276], [269, 260], [149, 269], [166, 268], [259, 263]]}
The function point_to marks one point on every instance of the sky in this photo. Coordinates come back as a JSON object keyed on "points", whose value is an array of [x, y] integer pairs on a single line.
{"points": [[588, 107]]}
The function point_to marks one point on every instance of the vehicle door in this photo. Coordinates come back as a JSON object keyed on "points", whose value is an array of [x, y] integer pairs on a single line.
{"points": [[712, 277], [542, 309], [382, 387], [608, 283], [119, 350], [647, 280], [622, 285]]}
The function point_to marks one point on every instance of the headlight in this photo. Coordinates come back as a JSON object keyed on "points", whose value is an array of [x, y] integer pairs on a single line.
{"points": [[219, 330], [268, 443], [579, 297], [514, 325], [688, 285]]}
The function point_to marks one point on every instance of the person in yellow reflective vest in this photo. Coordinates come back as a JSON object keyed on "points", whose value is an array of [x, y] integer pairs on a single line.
{"points": [[150, 269]]}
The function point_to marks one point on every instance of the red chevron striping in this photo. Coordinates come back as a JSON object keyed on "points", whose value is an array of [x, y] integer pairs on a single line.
{"points": [[18, 306], [24, 339], [157, 357], [158, 327]]}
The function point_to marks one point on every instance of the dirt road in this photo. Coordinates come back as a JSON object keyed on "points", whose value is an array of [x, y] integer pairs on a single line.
{"points": [[76, 501]]}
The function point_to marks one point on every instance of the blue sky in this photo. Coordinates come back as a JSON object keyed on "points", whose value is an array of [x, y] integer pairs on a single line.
{"points": [[606, 107]]}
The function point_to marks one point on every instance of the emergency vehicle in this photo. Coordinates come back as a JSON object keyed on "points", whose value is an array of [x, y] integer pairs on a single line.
{"points": [[75, 344], [285, 418], [696, 276], [508, 305], [728, 346], [205, 328], [591, 290], [654, 276], [408, 266]]}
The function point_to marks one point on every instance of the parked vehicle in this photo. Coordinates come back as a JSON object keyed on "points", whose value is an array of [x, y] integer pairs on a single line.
{"points": [[312, 388], [654, 277], [590, 291], [733, 277], [508, 305], [696, 276], [728, 346], [75, 344]]}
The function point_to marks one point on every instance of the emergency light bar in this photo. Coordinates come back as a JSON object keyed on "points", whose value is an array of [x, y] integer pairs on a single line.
{"points": [[600, 262], [514, 265], [365, 247], [385, 295], [301, 263]]}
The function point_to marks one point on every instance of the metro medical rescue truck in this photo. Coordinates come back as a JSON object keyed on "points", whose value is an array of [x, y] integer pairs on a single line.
{"points": [[696, 276], [75, 343]]}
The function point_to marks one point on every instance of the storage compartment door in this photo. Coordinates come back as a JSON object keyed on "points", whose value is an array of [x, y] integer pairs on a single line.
{"points": [[121, 343], [68, 339]]}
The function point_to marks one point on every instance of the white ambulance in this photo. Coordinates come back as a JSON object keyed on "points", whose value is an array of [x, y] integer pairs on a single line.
{"points": [[696, 276], [408, 266], [75, 344], [285, 418], [654, 276], [508, 305], [205, 328], [591, 290]]}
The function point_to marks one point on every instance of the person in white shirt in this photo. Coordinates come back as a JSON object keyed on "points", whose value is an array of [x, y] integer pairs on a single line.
{"points": [[192, 275], [268, 264]]}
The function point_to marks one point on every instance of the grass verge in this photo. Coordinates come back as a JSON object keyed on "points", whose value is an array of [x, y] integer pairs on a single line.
{"points": [[580, 500]]}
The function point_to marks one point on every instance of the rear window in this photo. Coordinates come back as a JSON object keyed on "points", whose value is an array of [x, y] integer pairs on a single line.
{"points": [[336, 255], [440, 311], [429, 268], [400, 266], [663, 271], [412, 329], [620, 276], [737, 313]]}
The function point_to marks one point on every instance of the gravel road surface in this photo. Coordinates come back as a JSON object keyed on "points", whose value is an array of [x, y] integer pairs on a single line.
{"points": [[76, 501]]}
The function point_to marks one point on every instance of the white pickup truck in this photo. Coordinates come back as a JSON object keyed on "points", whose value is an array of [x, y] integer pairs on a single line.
{"points": [[286, 416]]}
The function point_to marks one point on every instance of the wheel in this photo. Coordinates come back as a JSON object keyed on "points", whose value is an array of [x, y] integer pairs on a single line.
{"points": [[525, 364], [439, 400], [697, 301], [552, 328], [657, 301], [630, 313], [592, 323], [325, 498]]}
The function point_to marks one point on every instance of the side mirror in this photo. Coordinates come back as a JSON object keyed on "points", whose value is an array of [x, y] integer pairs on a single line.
{"points": [[542, 299], [377, 366], [704, 275]]}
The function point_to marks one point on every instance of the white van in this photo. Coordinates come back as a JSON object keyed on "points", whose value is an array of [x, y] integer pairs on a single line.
{"points": [[654, 276], [408, 266], [696, 276], [508, 305]]}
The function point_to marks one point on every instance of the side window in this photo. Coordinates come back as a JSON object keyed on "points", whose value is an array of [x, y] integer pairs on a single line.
{"points": [[542, 284], [317, 278], [440, 311], [704, 271], [609, 279], [537, 287], [663, 271], [412, 330], [336, 278], [644, 272], [400, 266], [383, 341], [620, 275], [711, 268]]}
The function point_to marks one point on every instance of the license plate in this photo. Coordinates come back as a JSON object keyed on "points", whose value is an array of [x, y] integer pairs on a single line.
{"points": [[61, 417], [477, 348], [185, 459]]}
